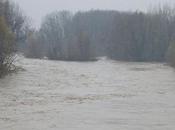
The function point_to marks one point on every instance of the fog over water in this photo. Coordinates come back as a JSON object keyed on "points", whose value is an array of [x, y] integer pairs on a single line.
{"points": [[36, 9]]}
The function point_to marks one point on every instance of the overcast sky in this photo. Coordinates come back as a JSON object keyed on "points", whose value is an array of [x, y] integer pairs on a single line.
{"points": [[36, 9]]}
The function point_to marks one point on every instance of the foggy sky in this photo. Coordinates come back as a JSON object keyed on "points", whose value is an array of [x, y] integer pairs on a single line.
{"points": [[36, 9]]}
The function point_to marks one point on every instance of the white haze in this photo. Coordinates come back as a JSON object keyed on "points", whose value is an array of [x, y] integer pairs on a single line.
{"points": [[36, 9]]}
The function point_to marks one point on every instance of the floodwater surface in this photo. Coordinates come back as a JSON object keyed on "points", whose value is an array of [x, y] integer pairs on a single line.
{"points": [[102, 95]]}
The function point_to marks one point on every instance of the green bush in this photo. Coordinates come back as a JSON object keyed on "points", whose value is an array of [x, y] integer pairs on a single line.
{"points": [[6, 47]]}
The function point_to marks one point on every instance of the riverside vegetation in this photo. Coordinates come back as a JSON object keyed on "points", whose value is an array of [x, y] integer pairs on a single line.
{"points": [[84, 36]]}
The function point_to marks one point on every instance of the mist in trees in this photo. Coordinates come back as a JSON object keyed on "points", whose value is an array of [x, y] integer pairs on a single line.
{"points": [[84, 36], [130, 36]]}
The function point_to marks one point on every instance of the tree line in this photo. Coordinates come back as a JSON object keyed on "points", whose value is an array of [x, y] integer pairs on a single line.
{"points": [[85, 36], [130, 36]]}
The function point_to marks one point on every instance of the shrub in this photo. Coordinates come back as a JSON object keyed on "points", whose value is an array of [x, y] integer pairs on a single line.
{"points": [[6, 47]]}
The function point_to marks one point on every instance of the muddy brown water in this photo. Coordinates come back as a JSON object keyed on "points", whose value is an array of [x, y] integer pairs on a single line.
{"points": [[102, 95]]}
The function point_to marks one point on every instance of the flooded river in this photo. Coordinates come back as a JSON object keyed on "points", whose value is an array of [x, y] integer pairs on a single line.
{"points": [[102, 95]]}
